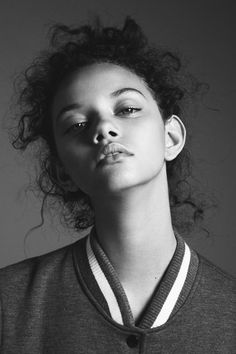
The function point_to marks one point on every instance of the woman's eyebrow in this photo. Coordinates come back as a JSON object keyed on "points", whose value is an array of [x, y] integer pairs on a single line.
{"points": [[125, 89], [67, 108]]}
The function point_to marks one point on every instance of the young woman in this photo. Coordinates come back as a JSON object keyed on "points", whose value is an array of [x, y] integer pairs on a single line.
{"points": [[105, 108]]}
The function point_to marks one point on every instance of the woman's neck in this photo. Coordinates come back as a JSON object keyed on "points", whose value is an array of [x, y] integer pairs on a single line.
{"points": [[135, 230]]}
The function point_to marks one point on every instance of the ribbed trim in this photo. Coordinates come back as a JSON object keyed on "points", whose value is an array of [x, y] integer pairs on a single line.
{"points": [[104, 285], [176, 288], [164, 287], [113, 280], [192, 272], [170, 294], [84, 271]]}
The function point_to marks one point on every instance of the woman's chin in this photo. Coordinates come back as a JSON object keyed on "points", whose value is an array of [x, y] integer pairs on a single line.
{"points": [[114, 183]]}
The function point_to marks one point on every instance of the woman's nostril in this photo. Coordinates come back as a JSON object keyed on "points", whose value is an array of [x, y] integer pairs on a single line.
{"points": [[112, 133], [99, 138], [105, 134]]}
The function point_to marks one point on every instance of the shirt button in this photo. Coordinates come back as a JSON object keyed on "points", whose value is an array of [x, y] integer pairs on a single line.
{"points": [[132, 341]]}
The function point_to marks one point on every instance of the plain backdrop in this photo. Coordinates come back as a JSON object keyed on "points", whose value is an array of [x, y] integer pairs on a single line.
{"points": [[204, 31]]}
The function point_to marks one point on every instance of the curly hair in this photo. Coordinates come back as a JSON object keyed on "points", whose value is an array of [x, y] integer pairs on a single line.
{"points": [[73, 48]]}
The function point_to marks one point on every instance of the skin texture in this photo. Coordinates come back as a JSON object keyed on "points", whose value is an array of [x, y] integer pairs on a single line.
{"points": [[141, 131], [129, 192]]}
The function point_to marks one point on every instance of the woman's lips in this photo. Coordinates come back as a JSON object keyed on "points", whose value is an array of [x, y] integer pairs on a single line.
{"points": [[111, 152]]}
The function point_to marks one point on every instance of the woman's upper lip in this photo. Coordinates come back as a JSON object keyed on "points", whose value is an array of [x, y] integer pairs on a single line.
{"points": [[112, 148]]}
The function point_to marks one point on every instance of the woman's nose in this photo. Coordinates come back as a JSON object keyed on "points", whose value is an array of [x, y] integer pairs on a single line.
{"points": [[105, 130]]}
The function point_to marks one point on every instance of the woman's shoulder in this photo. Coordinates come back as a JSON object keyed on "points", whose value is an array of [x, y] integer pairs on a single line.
{"points": [[215, 280], [25, 269]]}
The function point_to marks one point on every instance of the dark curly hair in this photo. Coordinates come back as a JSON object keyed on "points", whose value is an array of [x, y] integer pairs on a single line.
{"points": [[73, 48]]}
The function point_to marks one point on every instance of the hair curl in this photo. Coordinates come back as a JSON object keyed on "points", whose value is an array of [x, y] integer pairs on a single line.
{"points": [[74, 48]]}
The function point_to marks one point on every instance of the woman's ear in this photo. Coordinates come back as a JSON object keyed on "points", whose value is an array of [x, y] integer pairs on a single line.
{"points": [[64, 180], [175, 136]]}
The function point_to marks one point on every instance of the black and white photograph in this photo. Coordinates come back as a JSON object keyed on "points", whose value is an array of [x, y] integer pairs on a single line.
{"points": [[117, 177]]}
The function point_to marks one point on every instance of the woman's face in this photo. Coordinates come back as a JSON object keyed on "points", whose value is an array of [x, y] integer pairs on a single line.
{"points": [[108, 130]]}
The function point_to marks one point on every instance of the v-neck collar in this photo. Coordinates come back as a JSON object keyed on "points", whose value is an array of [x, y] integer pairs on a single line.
{"points": [[103, 284]]}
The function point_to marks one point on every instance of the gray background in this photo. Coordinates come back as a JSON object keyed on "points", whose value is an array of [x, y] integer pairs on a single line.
{"points": [[205, 32]]}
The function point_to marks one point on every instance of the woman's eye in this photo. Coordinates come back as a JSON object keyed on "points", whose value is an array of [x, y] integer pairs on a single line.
{"points": [[76, 127], [129, 110]]}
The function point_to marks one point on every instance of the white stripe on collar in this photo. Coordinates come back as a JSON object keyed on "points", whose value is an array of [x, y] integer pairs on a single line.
{"points": [[103, 284], [174, 293], [110, 297]]}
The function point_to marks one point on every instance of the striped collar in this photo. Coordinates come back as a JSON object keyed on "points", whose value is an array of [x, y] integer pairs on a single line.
{"points": [[102, 284]]}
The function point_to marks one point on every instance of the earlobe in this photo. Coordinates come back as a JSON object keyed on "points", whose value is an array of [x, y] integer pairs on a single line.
{"points": [[175, 136]]}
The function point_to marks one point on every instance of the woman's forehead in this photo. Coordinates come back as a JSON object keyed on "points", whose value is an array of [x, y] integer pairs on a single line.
{"points": [[102, 77]]}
